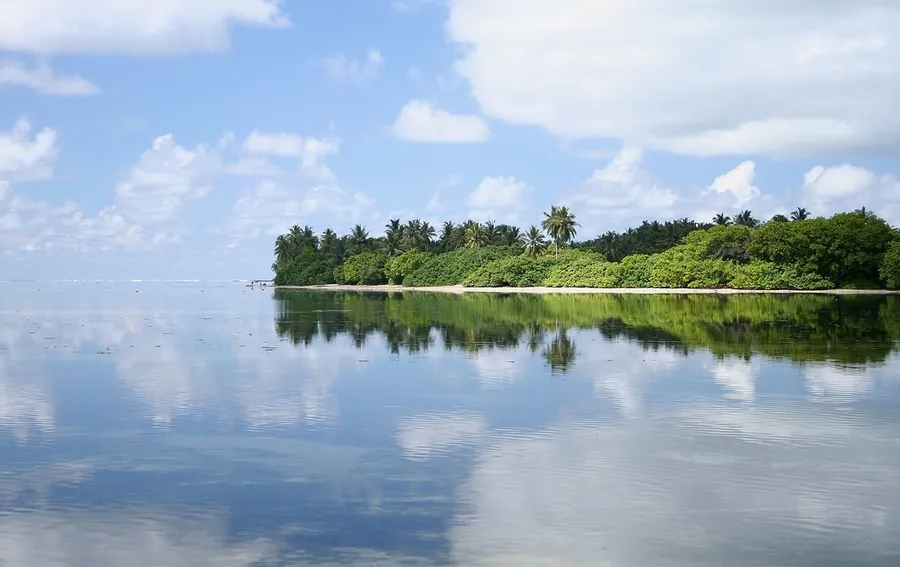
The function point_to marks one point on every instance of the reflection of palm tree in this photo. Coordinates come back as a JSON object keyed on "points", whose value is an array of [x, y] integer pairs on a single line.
{"points": [[560, 353]]}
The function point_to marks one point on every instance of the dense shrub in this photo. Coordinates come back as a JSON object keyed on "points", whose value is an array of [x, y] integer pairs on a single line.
{"points": [[398, 267], [846, 249], [583, 270], [890, 266], [309, 268], [362, 269], [513, 271], [719, 243], [767, 275], [453, 267], [636, 270], [679, 267]]}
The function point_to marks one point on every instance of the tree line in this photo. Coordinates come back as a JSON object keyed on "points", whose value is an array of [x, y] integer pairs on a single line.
{"points": [[856, 249]]}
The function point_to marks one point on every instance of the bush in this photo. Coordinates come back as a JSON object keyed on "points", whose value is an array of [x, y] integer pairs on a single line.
{"points": [[514, 271], [767, 275], [453, 267], [362, 269], [719, 243], [846, 249], [890, 266], [679, 268], [307, 269], [583, 270], [636, 270], [398, 267]]}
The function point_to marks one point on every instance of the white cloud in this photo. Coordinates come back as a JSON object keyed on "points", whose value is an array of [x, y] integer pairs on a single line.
{"points": [[621, 193], [497, 367], [24, 157], [739, 182], [421, 121], [701, 78], [345, 69], [284, 144], [497, 192], [163, 178], [847, 187], [137, 27], [42, 79]]}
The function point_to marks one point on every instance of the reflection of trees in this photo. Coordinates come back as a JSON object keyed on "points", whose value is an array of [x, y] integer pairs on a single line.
{"points": [[560, 352], [852, 330]]}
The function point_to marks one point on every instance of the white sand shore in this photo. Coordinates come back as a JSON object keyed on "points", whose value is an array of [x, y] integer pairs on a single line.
{"points": [[583, 290]]}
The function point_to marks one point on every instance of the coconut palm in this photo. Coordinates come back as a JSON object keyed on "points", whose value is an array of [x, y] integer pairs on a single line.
{"points": [[534, 241], [779, 218], [475, 236], [283, 251], [722, 219], [745, 218], [799, 214], [359, 239], [560, 225]]}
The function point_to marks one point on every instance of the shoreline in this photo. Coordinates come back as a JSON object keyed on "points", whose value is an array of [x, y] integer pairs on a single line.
{"points": [[541, 290]]}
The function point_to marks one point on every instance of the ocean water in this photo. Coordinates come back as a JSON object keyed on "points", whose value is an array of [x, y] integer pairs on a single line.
{"points": [[207, 423]]}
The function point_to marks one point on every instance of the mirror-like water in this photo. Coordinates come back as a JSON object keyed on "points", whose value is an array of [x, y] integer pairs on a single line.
{"points": [[188, 425]]}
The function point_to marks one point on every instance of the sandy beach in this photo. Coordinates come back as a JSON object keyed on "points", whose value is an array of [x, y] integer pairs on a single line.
{"points": [[458, 289]]}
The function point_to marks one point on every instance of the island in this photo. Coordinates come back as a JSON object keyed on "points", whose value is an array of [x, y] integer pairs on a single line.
{"points": [[851, 252]]}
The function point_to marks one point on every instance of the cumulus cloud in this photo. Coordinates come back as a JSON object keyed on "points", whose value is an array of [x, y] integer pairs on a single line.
{"points": [[739, 182], [25, 156], [421, 121], [135, 27], [285, 144], [699, 78], [344, 69], [43, 79], [622, 192], [497, 198], [847, 187], [164, 178]]}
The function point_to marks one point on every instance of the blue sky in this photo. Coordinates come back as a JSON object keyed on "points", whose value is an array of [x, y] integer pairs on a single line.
{"points": [[175, 140]]}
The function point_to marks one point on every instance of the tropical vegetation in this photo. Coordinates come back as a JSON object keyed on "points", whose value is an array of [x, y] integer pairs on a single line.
{"points": [[796, 252]]}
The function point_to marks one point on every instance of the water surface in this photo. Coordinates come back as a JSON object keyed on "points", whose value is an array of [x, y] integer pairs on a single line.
{"points": [[210, 424]]}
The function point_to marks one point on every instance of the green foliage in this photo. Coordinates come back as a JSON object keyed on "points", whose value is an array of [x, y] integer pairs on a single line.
{"points": [[890, 266], [680, 267], [308, 268], [398, 267], [637, 270], [719, 242], [513, 271], [766, 275], [648, 238], [362, 269], [453, 267], [846, 249], [583, 269]]}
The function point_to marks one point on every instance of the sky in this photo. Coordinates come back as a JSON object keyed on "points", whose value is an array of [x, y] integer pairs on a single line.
{"points": [[176, 139]]}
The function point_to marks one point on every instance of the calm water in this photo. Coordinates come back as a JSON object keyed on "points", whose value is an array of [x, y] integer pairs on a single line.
{"points": [[183, 425]]}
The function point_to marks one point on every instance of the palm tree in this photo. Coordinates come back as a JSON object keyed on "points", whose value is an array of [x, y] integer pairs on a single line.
{"points": [[560, 224], [393, 243], [359, 239], [722, 219], [745, 218], [283, 252], [866, 213], [510, 235], [534, 241], [799, 214], [448, 239], [779, 218], [476, 236]]}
